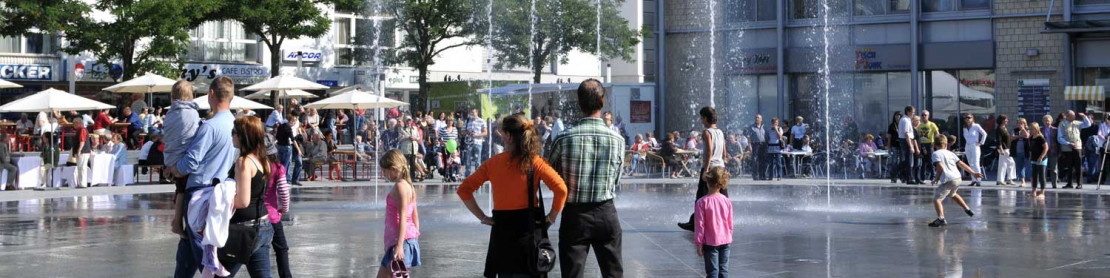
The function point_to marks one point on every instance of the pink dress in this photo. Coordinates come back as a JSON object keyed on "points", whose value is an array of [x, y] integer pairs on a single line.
{"points": [[393, 222]]}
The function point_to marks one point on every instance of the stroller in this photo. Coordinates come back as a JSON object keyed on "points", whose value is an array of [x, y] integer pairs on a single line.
{"points": [[449, 161]]}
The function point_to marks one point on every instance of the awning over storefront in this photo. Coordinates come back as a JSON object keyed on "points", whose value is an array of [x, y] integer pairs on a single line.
{"points": [[1091, 93], [1076, 26]]}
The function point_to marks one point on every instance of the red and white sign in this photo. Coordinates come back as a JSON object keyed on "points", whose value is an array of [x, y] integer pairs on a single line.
{"points": [[79, 70]]}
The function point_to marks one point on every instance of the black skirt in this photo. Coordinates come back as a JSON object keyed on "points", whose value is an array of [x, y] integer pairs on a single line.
{"points": [[510, 241]]}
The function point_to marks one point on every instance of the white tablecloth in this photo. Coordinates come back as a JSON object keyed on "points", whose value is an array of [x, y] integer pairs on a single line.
{"points": [[63, 176], [124, 175], [28, 171], [103, 165]]}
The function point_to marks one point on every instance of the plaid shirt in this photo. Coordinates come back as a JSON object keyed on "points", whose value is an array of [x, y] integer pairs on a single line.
{"points": [[589, 157]]}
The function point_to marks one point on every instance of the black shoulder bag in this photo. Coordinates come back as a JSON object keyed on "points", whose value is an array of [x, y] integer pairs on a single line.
{"points": [[541, 259], [241, 239]]}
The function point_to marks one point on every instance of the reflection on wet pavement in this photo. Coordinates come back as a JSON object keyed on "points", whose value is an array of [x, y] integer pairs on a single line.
{"points": [[868, 231]]}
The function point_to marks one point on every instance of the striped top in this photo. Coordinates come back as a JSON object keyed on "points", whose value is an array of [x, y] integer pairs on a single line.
{"points": [[589, 157]]}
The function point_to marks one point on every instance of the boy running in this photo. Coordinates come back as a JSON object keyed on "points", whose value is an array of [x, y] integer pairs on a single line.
{"points": [[949, 177]]}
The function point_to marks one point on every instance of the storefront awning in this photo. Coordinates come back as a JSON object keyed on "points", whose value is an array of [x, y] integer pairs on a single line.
{"points": [[1076, 26], [1091, 93]]}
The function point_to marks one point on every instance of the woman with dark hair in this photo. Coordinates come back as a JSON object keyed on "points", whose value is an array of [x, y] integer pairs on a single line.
{"points": [[892, 146], [508, 174], [251, 176], [713, 156]]}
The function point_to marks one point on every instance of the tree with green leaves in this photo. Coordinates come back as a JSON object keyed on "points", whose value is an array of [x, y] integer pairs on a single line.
{"points": [[560, 26], [145, 35], [431, 27], [48, 16], [274, 21]]}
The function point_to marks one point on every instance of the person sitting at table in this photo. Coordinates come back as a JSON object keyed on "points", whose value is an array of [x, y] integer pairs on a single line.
{"points": [[669, 151], [315, 154], [867, 148], [157, 156], [639, 150], [135, 125], [24, 125], [738, 149], [6, 162], [119, 149], [144, 154], [102, 122], [362, 150]]}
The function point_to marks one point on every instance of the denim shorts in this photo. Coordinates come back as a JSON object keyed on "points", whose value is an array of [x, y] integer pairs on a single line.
{"points": [[412, 254]]}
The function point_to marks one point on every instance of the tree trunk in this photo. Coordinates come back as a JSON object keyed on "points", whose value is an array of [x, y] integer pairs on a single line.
{"points": [[423, 79], [128, 60], [275, 70], [537, 68]]}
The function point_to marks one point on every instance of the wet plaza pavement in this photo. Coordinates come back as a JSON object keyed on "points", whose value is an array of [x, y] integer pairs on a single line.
{"points": [[782, 229]]}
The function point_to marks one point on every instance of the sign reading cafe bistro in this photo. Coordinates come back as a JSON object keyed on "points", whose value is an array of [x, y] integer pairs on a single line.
{"points": [[25, 72]]}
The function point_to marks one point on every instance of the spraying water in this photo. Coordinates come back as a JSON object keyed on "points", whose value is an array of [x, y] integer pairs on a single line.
{"points": [[489, 78], [532, 54], [712, 52], [377, 71], [600, 62], [825, 70]]}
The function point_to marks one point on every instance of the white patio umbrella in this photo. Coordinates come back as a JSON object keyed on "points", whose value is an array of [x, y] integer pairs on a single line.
{"points": [[236, 103], [355, 99], [5, 84], [288, 94], [149, 83], [53, 100]]}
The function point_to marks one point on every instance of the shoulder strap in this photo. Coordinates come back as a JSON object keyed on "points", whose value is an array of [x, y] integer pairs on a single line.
{"points": [[532, 186]]}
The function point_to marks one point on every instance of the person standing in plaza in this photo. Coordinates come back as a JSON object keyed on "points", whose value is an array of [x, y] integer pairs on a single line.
{"points": [[757, 135], [1049, 131], [713, 156], [409, 144], [893, 147], [277, 204], [974, 138], [210, 156], [508, 174], [276, 117], [907, 146], [476, 132], [1005, 164], [1071, 147], [1038, 154], [928, 131], [713, 231], [252, 175], [1020, 149], [286, 146], [589, 156], [181, 124]]}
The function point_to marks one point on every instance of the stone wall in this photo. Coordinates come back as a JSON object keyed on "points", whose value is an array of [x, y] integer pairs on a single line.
{"points": [[1013, 38]]}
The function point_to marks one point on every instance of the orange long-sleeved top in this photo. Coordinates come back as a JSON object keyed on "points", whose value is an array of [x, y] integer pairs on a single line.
{"points": [[509, 183]]}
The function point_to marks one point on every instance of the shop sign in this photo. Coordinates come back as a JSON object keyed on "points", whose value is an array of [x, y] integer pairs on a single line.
{"points": [[329, 83], [25, 72], [93, 71], [882, 57], [1033, 98], [639, 111], [760, 60], [305, 55], [193, 72]]}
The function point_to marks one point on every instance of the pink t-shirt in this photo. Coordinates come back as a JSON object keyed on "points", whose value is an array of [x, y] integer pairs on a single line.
{"points": [[713, 220]]}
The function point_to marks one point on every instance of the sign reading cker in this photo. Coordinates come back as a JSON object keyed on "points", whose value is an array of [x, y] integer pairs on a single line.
{"points": [[25, 72]]}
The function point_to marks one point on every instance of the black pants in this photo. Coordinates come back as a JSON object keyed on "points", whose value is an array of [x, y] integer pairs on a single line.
{"points": [[759, 161], [1051, 174], [703, 189], [1070, 167], [905, 165], [588, 225], [924, 161], [1038, 176], [281, 250], [412, 165]]}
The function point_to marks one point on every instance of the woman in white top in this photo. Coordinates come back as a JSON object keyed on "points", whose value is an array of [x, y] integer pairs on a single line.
{"points": [[714, 156], [974, 137], [312, 122]]}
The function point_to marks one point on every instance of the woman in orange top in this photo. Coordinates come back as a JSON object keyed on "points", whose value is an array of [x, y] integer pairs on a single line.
{"points": [[508, 175]]}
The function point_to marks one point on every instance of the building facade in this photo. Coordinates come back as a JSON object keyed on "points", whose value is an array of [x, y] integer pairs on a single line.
{"points": [[984, 57]]}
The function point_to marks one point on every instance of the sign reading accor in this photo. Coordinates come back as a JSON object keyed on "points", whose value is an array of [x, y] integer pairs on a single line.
{"points": [[25, 72], [307, 55]]}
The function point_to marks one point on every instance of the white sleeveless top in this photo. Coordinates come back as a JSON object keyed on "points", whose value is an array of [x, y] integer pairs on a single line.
{"points": [[716, 158]]}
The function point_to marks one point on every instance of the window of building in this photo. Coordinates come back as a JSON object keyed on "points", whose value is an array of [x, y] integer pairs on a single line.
{"points": [[929, 6], [355, 39], [952, 93], [29, 44], [1095, 77], [342, 28], [748, 10], [10, 44], [880, 7], [1087, 2], [748, 95], [222, 41], [805, 9]]}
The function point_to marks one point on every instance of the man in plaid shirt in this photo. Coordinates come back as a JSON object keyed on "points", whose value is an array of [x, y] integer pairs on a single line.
{"points": [[589, 157]]}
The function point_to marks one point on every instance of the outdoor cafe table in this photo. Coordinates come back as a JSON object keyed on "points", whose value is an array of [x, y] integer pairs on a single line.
{"points": [[350, 157], [880, 154], [102, 170], [796, 159], [27, 169], [687, 158]]}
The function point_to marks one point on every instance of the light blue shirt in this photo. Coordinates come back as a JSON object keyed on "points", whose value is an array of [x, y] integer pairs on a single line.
{"points": [[211, 155], [180, 126], [275, 119], [120, 151]]}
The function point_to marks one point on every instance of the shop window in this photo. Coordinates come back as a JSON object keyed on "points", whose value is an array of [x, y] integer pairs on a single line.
{"points": [[765, 10], [929, 6], [870, 7], [1095, 77], [1086, 2], [953, 93], [900, 6]]}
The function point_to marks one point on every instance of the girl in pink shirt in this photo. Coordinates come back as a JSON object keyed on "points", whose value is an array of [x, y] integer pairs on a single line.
{"points": [[713, 224]]}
